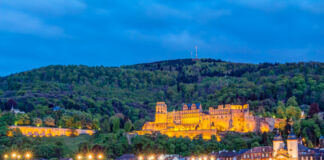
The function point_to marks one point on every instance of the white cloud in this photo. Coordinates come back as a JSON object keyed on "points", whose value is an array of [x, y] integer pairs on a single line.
{"points": [[13, 21], [57, 7], [313, 6]]}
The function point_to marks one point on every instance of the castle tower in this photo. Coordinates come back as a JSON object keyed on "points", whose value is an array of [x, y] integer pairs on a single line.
{"points": [[278, 143], [161, 112], [292, 145]]}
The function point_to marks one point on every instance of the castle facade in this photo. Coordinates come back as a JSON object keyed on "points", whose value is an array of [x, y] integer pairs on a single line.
{"points": [[49, 132], [192, 121]]}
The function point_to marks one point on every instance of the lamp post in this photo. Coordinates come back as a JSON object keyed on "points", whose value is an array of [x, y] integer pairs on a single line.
{"points": [[13, 155], [79, 156], [100, 156], [90, 156], [28, 156]]}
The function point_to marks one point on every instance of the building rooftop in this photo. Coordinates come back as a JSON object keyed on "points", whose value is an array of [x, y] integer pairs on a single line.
{"points": [[292, 135]]}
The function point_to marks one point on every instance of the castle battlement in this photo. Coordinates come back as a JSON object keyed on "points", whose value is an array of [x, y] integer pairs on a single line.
{"points": [[192, 120]]}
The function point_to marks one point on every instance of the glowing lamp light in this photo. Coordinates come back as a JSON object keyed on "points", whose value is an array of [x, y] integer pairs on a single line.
{"points": [[212, 158], [90, 156], [100, 156], [5, 156], [205, 158], [18, 156], [28, 156], [192, 158], [151, 157], [13, 155], [161, 157], [140, 158], [79, 156]]}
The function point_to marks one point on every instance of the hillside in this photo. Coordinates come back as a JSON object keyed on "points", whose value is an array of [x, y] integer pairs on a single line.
{"points": [[133, 90]]}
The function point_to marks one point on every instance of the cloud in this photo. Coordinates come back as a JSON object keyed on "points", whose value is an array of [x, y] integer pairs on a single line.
{"points": [[313, 6], [56, 7], [106, 31], [13, 21]]}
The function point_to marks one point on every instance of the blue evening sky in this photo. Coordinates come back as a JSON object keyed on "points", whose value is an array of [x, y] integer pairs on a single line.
{"points": [[35, 33]]}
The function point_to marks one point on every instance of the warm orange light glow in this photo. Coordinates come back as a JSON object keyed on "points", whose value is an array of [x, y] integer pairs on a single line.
{"points": [[28, 155], [79, 156], [191, 121], [90, 156], [100, 156], [140, 158], [161, 157], [5, 156], [18, 156], [48, 132], [151, 157], [192, 158], [13, 155], [212, 158], [264, 128]]}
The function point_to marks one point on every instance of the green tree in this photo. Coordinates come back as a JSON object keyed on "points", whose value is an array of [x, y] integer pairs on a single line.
{"points": [[128, 126], [115, 121], [23, 119], [37, 122], [49, 121], [281, 110], [293, 112], [292, 102]]}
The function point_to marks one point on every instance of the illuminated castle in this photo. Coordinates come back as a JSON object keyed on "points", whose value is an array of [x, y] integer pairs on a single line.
{"points": [[192, 121]]}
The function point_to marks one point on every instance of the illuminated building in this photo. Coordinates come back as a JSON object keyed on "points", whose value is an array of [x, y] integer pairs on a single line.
{"points": [[294, 150], [192, 121], [49, 132]]}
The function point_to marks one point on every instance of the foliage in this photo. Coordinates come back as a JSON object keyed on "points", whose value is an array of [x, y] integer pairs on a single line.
{"points": [[117, 100]]}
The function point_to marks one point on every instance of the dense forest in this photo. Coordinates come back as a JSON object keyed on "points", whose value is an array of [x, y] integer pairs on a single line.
{"points": [[115, 100]]}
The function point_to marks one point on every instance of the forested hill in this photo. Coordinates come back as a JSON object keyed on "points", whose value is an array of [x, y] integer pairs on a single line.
{"points": [[133, 90]]}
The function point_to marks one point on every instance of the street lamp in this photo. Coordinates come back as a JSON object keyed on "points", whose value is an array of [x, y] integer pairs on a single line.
{"points": [[90, 156], [151, 157], [79, 156], [140, 158], [100, 156], [28, 155], [13, 155]]}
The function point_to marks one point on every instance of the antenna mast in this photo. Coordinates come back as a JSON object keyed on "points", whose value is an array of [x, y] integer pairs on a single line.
{"points": [[196, 52]]}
